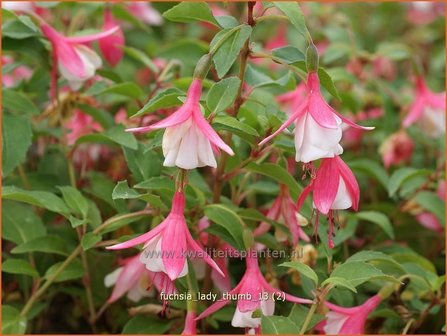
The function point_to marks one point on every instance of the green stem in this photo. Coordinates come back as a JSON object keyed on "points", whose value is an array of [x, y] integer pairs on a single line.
{"points": [[309, 316]]}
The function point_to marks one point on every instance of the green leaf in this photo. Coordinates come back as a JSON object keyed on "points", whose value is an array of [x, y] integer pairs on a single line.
{"points": [[141, 57], [19, 266], [401, 175], [73, 271], [163, 99], [277, 173], [359, 272], [41, 199], [228, 219], [89, 240], [327, 82], [127, 89], [376, 258], [77, 203], [233, 125], [142, 163], [288, 54], [147, 324], [20, 223], [293, 11], [15, 101], [16, 135], [45, 244], [339, 282], [114, 135], [299, 313], [394, 51], [12, 322], [122, 191], [370, 168], [20, 29], [278, 325], [303, 269], [222, 94], [377, 218], [228, 51], [432, 203], [190, 12]]}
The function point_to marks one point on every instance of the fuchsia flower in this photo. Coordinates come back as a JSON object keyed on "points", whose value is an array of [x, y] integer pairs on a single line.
{"points": [[428, 108], [77, 62], [284, 210], [81, 124], [131, 278], [134, 279], [145, 12], [111, 46], [190, 324], [396, 149], [188, 138], [167, 245], [349, 321], [318, 126], [334, 188], [256, 293]]}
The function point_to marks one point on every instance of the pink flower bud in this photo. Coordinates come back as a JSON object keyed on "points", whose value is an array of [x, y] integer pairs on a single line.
{"points": [[112, 45]]}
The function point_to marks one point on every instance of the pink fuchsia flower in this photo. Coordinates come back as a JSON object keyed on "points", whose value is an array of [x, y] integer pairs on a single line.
{"points": [[317, 125], [396, 149], [190, 324], [167, 245], [16, 75], [188, 138], [334, 188], [77, 62], [429, 220], [284, 210], [145, 12], [384, 67], [256, 293], [79, 125], [131, 278], [112, 45], [424, 12], [349, 321], [428, 108]]}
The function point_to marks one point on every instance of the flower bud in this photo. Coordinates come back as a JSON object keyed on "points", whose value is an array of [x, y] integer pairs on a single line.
{"points": [[203, 66], [312, 58]]}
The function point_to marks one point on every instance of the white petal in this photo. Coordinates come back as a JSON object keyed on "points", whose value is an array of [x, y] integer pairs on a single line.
{"points": [[152, 256], [244, 320], [268, 306], [110, 279], [334, 322], [205, 151], [433, 122], [313, 142], [342, 199]]}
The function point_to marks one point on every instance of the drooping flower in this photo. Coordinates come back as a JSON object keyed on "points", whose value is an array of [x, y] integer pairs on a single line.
{"points": [[111, 46], [334, 188], [255, 293], [190, 324], [317, 125], [77, 62], [145, 12], [284, 210], [428, 108], [396, 149], [349, 321], [80, 124], [131, 278], [189, 139], [167, 246]]}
